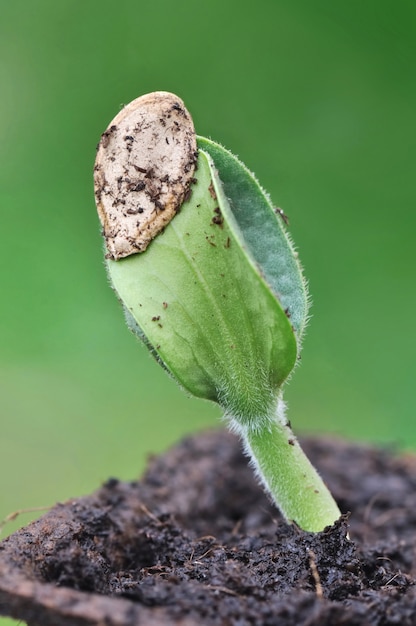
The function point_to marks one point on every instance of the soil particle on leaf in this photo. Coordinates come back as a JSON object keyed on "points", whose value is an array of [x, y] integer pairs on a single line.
{"points": [[196, 542]]}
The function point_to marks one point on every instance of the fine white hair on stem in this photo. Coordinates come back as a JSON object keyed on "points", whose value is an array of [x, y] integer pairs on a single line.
{"points": [[236, 427]]}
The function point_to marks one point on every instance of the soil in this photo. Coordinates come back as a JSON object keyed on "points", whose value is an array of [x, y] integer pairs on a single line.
{"points": [[196, 542]]}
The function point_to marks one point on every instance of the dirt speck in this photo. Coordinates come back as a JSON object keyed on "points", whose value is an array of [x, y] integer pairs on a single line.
{"points": [[212, 191]]}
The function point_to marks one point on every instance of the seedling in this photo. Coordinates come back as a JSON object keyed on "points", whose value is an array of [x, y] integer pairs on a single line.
{"points": [[210, 281]]}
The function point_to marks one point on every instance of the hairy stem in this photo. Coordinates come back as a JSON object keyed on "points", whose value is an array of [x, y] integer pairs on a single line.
{"points": [[288, 475]]}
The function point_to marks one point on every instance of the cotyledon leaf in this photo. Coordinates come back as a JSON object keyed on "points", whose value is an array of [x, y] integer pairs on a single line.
{"points": [[262, 233], [204, 304]]}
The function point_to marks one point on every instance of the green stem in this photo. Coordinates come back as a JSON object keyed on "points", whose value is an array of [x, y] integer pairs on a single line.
{"points": [[289, 477]]}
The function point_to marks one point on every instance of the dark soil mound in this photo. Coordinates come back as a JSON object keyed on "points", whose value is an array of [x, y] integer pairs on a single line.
{"points": [[197, 542]]}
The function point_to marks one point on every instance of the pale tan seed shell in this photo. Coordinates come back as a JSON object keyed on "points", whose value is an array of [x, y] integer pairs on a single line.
{"points": [[145, 165]]}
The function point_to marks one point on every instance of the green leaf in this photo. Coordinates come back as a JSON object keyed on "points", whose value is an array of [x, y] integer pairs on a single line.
{"points": [[262, 233], [204, 303]]}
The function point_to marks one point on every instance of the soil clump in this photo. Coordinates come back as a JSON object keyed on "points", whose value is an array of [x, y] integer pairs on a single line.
{"points": [[196, 542]]}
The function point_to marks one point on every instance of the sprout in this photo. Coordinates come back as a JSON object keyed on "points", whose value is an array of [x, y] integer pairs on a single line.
{"points": [[209, 279]]}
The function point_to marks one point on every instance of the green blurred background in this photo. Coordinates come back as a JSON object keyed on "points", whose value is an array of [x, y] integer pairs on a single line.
{"points": [[318, 98]]}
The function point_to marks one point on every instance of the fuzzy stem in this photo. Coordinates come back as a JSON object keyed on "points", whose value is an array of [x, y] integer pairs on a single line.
{"points": [[288, 475]]}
